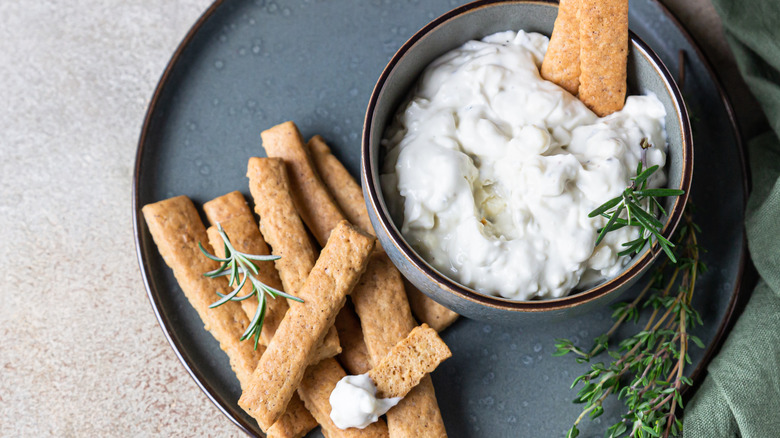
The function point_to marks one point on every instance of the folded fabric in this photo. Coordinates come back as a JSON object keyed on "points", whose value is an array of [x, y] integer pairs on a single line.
{"points": [[740, 396]]}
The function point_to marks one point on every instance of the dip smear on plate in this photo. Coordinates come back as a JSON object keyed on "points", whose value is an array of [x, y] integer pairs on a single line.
{"points": [[492, 171]]}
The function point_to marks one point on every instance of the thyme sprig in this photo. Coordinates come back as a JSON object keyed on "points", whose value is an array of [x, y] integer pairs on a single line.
{"points": [[647, 370], [240, 268], [641, 208]]}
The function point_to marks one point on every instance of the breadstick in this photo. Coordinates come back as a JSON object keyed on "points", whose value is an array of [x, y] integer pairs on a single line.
{"points": [[354, 355], [349, 197], [561, 63], [176, 228], [309, 193], [418, 414], [603, 54], [296, 421], [428, 311], [227, 207], [408, 362], [340, 183], [384, 313], [233, 214], [239, 223], [281, 367], [283, 230], [315, 389]]}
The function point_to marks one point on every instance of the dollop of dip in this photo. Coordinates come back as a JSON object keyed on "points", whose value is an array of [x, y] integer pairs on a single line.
{"points": [[353, 402], [492, 171]]}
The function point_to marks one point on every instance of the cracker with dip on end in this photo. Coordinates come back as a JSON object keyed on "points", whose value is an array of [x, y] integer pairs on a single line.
{"points": [[379, 297], [408, 362], [359, 400], [281, 368], [349, 196], [315, 389], [287, 236]]}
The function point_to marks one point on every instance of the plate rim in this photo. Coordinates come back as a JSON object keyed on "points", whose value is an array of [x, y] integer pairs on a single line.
{"points": [[205, 386], [738, 295], [746, 272]]}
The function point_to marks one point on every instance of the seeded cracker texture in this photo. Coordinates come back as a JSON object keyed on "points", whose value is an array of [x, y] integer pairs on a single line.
{"points": [[281, 367], [176, 228], [315, 389], [561, 63], [349, 196], [408, 362], [283, 230], [603, 54]]}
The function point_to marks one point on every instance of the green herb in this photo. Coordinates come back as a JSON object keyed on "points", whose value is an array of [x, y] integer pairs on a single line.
{"points": [[647, 369], [240, 267], [641, 208]]}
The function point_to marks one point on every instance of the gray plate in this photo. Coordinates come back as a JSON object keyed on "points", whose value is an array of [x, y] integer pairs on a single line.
{"points": [[247, 65]]}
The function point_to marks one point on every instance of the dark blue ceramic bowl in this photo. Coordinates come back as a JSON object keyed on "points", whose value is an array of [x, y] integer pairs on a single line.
{"points": [[646, 73]]}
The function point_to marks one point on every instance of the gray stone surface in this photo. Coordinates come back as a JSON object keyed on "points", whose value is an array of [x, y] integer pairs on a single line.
{"points": [[81, 353]]}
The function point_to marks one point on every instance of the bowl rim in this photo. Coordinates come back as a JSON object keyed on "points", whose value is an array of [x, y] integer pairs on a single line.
{"points": [[640, 262]]}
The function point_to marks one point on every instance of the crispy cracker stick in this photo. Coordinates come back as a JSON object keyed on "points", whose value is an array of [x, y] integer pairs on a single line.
{"points": [[315, 389], [354, 355], [428, 311], [282, 228], [561, 63], [239, 230], [309, 193], [232, 212], [349, 197], [281, 367], [176, 228], [344, 189], [296, 421], [384, 312], [408, 362], [242, 233], [603, 54], [418, 414]]}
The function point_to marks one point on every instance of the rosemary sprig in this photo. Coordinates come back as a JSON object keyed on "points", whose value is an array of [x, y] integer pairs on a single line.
{"points": [[647, 371], [240, 267], [641, 208]]}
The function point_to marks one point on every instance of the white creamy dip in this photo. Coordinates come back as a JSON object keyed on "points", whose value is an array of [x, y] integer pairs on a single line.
{"points": [[492, 171], [353, 402]]}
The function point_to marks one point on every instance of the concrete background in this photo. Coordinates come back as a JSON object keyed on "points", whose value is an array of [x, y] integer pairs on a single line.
{"points": [[81, 353]]}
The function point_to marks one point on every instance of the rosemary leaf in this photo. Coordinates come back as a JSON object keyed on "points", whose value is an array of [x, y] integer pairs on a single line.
{"points": [[240, 267]]}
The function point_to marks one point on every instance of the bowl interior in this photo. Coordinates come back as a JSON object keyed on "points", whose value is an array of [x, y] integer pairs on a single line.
{"points": [[646, 74]]}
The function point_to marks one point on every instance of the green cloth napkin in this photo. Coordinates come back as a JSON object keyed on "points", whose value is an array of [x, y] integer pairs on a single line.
{"points": [[740, 397]]}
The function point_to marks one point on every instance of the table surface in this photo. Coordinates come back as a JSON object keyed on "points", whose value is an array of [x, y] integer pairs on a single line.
{"points": [[81, 353]]}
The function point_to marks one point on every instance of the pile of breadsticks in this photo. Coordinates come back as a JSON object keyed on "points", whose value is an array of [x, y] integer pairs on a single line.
{"points": [[305, 348]]}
